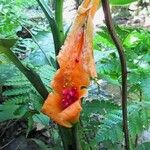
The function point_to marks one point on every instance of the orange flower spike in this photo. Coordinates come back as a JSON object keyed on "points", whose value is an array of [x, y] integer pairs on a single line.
{"points": [[76, 63]]}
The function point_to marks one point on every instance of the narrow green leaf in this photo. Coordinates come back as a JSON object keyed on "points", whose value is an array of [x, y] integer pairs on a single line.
{"points": [[121, 2], [30, 124], [48, 13], [41, 144]]}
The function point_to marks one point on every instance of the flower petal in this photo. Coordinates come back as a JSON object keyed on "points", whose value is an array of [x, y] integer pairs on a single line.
{"points": [[52, 104], [72, 112]]}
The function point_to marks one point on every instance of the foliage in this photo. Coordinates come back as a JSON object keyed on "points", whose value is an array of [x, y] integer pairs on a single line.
{"points": [[121, 2], [105, 121], [138, 121], [137, 55], [22, 96], [13, 15]]}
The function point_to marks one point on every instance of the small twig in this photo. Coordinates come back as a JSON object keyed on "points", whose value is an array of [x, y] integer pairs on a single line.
{"points": [[4, 129], [6, 144], [136, 140], [141, 95], [8, 126], [119, 47], [35, 41], [18, 146]]}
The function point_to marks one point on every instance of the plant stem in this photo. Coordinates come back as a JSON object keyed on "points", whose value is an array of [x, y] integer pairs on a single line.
{"points": [[119, 47], [70, 137], [31, 75], [59, 19]]}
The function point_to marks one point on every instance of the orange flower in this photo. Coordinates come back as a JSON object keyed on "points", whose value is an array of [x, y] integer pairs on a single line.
{"points": [[77, 65]]}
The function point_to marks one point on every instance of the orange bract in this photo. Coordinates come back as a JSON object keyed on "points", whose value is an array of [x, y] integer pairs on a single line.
{"points": [[77, 65]]}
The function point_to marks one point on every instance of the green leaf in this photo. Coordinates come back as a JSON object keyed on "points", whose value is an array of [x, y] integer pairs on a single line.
{"points": [[137, 116], [132, 39], [100, 107], [143, 146], [6, 72], [17, 91], [121, 2], [41, 118], [48, 13], [7, 112], [41, 144], [30, 124], [46, 53], [145, 88]]}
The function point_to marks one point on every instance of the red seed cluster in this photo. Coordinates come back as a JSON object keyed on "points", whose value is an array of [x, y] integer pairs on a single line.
{"points": [[70, 95]]}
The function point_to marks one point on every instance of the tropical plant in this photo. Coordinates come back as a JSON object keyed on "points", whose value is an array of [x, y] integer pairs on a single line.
{"points": [[101, 121]]}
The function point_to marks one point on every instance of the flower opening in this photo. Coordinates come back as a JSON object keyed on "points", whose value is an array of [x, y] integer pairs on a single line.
{"points": [[70, 95]]}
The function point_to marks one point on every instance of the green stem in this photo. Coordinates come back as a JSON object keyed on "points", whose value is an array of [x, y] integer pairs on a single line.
{"points": [[59, 19], [32, 76], [70, 138]]}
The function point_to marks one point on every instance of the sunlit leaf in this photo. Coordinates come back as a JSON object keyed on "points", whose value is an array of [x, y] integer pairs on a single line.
{"points": [[6, 44], [121, 2]]}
